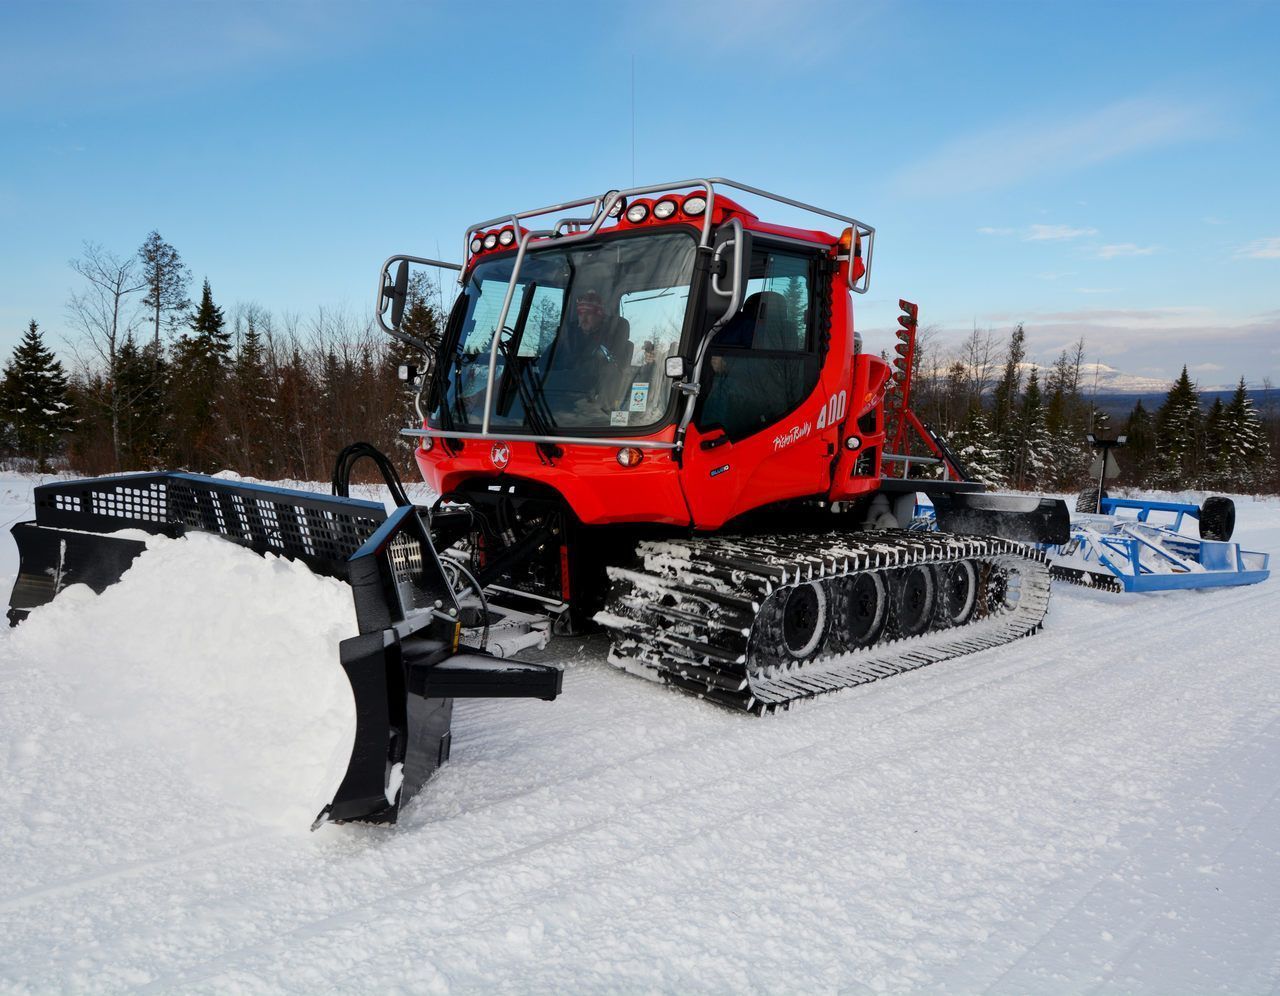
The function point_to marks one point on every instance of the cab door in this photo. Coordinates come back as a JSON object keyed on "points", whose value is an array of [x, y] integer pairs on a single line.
{"points": [[759, 433]]}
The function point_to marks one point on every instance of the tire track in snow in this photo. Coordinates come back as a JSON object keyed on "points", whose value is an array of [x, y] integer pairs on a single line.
{"points": [[114, 873], [407, 894], [748, 811], [975, 680], [1019, 977], [972, 674]]}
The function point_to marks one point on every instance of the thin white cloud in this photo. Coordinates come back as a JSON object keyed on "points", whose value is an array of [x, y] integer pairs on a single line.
{"points": [[1055, 233], [1260, 249], [1125, 249], [1205, 367], [797, 34], [1011, 153], [1040, 233]]}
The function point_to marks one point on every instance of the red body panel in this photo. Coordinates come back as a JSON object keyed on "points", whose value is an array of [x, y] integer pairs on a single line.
{"points": [[600, 491]]}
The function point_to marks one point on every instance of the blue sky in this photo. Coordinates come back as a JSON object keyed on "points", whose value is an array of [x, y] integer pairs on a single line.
{"points": [[1107, 170]]}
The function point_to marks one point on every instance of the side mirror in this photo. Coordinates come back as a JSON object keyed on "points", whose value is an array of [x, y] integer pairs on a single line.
{"points": [[397, 292], [675, 367]]}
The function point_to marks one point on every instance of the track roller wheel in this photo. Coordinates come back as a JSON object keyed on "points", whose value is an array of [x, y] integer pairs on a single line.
{"points": [[915, 595], [804, 620], [791, 629], [957, 592], [861, 610]]}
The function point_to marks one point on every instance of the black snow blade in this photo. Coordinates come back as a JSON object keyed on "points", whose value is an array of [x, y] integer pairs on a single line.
{"points": [[51, 559], [405, 666], [405, 669], [1014, 517]]}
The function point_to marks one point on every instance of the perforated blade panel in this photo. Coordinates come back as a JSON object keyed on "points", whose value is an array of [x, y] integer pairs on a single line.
{"points": [[320, 530]]}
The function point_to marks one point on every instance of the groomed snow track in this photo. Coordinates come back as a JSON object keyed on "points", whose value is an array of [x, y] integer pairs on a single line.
{"points": [[718, 616]]}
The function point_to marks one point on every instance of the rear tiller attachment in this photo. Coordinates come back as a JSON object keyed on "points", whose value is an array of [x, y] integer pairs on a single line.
{"points": [[1132, 544], [406, 665]]}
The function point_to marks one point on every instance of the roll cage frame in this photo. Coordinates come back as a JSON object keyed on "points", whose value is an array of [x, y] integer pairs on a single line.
{"points": [[570, 229]]}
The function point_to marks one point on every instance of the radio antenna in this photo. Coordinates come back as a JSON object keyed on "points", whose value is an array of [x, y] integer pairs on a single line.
{"points": [[633, 119]]}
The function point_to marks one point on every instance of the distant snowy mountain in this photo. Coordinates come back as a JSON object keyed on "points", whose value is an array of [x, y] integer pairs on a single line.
{"points": [[1108, 380]]}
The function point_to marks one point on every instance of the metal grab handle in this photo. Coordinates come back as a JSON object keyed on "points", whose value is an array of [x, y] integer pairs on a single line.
{"points": [[735, 294]]}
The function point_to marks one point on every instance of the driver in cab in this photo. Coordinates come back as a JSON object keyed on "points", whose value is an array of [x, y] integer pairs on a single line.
{"points": [[592, 348]]}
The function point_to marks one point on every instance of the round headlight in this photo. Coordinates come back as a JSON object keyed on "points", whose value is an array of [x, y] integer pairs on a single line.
{"points": [[664, 210], [477, 244], [629, 456], [619, 206], [490, 240], [637, 213], [506, 237], [695, 205]]}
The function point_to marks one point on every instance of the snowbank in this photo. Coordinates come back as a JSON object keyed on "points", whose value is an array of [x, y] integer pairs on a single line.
{"points": [[218, 665]]}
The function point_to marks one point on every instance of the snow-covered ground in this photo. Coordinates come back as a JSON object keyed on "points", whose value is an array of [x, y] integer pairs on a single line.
{"points": [[1092, 809]]}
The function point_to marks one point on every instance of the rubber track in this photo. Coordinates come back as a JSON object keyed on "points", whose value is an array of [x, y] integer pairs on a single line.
{"points": [[686, 616]]}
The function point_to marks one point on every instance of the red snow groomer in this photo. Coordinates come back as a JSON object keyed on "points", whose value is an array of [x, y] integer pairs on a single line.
{"points": [[649, 413], [655, 409]]}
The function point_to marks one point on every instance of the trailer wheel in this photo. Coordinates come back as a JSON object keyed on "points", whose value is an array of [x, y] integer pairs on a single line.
{"points": [[1217, 518], [957, 592], [861, 611], [804, 620], [915, 595]]}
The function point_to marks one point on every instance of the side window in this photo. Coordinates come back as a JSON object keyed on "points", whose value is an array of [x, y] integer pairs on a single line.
{"points": [[778, 300], [762, 361]]}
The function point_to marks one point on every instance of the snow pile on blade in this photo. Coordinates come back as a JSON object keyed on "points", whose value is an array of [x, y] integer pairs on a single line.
{"points": [[210, 671]]}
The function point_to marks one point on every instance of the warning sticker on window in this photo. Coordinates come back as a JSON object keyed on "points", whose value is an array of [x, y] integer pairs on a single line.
{"points": [[639, 396], [619, 418]]}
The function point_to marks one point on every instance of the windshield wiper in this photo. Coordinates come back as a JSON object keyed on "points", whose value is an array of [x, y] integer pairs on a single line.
{"points": [[537, 413]]}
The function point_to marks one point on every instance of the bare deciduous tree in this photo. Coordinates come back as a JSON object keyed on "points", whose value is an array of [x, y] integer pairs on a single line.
{"points": [[104, 314], [978, 352]]}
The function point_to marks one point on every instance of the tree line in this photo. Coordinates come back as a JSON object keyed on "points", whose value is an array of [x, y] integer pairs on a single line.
{"points": [[1019, 425], [158, 380]]}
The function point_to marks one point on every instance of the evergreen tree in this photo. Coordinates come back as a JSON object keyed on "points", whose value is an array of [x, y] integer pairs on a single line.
{"points": [[1138, 457], [141, 375], [421, 319], [33, 399], [166, 280], [1244, 461], [249, 404], [209, 327], [1213, 467], [977, 446], [1033, 456], [200, 362], [1178, 436], [1004, 403]]}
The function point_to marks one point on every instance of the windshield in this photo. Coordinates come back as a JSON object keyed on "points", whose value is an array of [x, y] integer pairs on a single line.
{"points": [[588, 332]]}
